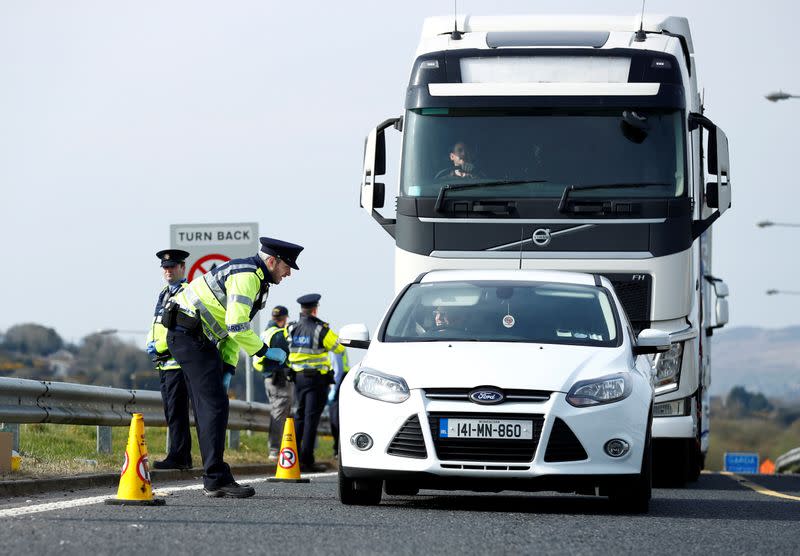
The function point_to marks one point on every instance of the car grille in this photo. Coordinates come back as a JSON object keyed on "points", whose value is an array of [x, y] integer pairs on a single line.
{"points": [[563, 444], [634, 292], [408, 442], [473, 449], [462, 394]]}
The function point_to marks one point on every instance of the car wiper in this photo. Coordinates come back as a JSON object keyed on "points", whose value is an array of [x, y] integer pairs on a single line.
{"points": [[459, 186], [562, 204]]}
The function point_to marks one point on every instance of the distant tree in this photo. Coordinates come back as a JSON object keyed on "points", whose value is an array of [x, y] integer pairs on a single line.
{"points": [[108, 361], [32, 339], [743, 402]]}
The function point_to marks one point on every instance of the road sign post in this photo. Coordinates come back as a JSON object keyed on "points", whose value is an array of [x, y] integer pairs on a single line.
{"points": [[210, 245]]}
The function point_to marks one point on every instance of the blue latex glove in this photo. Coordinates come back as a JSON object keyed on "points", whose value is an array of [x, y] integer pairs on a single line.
{"points": [[226, 380], [276, 354], [151, 348]]}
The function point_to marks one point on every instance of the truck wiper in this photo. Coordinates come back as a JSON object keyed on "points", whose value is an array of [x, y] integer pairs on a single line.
{"points": [[562, 204], [459, 186]]}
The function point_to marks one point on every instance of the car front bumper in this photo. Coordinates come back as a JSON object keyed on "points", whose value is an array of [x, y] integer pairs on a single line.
{"points": [[592, 428]]}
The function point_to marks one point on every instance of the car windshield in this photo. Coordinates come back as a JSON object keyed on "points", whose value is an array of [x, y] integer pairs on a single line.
{"points": [[504, 311], [541, 153]]}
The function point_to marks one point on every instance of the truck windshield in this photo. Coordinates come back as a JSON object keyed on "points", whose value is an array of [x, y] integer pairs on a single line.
{"points": [[541, 153], [501, 311]]}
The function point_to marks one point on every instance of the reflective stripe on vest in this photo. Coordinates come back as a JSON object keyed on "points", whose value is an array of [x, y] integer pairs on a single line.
{"points": [[315, 341], [208, 319], [215, 279]]}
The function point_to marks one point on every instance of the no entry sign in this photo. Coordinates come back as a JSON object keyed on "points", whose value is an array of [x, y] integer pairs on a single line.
{"points": [[210, 245]]}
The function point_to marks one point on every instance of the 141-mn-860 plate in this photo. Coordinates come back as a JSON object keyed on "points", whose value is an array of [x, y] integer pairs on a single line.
{"points": [[499, 429]]}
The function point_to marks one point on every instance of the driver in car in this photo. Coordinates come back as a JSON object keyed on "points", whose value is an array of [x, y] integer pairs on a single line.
{"points": [[449, 321]]}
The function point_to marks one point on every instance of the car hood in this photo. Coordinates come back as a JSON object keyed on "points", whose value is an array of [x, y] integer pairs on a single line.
{"points": [[505, 365]]}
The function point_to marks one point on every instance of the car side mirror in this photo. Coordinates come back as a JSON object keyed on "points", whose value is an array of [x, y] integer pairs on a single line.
{"points": [[355, 336], [651, 340]]}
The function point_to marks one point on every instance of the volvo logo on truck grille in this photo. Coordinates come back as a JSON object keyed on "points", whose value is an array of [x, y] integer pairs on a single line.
{"points": [[487, 396], [541, 237]]}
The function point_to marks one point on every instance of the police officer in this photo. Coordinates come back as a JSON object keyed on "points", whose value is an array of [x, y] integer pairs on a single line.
{"points": [[208, 324], [310, 340], [276, 378], [174, 391]]}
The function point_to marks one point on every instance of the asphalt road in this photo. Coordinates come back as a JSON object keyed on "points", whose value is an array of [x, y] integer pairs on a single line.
{"points": [[717, 515]]}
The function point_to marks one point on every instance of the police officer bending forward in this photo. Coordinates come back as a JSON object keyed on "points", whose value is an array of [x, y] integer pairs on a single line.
{"points": [[310, 340], [208, 325], [174, 392]]}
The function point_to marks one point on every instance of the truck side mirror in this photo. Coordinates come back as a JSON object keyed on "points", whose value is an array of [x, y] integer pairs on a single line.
{"points": [[718, 194], [378, 195], [372, 193], [722, 312]]}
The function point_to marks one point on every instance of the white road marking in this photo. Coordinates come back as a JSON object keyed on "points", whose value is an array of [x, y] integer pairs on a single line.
{"points": [[78, 502]]}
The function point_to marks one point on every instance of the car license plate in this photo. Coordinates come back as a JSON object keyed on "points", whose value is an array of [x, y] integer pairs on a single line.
{"points": [[500, 429]]}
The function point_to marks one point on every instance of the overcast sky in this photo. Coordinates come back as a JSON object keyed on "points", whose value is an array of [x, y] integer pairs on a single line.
{"points": [[118, 119]]}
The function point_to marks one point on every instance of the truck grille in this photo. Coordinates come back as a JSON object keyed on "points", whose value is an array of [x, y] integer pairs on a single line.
{"points": [[563, 444], [408, 442], [634, 292], [473, 449]]}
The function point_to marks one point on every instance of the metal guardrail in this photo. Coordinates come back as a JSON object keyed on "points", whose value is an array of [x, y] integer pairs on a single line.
{"points": [[789, 460], [34, 401]]}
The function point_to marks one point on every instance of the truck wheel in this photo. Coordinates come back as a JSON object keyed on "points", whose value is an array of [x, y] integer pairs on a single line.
{"points": [[400, 488], [634, 497], [359, 492], [672, 463]]}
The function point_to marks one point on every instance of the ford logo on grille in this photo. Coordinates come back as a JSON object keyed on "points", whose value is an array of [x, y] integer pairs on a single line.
{"points": [[486, 396]]}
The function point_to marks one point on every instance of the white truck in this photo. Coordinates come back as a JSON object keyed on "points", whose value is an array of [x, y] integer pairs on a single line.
{"points": [[570, 143]]}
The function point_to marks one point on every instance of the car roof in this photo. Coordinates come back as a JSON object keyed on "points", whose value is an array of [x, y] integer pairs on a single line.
{"points": [[512, 276]]}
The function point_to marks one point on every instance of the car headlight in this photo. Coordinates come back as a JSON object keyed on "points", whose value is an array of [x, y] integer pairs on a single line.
{"points": [[607, 389], [668, 368], [379, 386]]}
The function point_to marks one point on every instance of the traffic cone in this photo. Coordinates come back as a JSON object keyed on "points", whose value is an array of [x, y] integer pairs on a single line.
{"points": [[134, 482], [288, 469]]}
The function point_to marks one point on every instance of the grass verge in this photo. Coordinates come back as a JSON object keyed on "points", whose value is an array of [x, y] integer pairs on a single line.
{"points": [[49, 450]]}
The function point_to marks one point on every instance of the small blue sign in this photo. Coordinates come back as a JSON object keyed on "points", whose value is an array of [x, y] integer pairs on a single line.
{"points": [[741, 462], [442, 428]]}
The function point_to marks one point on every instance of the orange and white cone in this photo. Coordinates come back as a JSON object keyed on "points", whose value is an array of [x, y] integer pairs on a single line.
{"points": [[288, 469], [134, 482]]}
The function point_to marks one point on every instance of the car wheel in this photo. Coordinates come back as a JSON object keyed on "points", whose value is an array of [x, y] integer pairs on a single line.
{"points": [[399, 488], [634, 497], [359, 492]]}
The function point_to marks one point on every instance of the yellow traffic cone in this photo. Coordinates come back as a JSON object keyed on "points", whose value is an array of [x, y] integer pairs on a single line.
{"points": [[134, 482], [288, 469]]}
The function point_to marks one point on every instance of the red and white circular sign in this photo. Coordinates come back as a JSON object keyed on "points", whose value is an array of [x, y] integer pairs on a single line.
{"points": [[204, 264], [288, 458]]}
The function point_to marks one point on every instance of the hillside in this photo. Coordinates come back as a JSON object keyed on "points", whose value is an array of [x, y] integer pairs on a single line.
{"points": [[761, 360]]}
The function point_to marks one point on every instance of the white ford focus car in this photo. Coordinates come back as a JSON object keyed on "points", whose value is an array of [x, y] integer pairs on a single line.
{"points": [[490, 380]]}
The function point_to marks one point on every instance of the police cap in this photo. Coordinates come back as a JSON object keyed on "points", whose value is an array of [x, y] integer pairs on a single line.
{"points": [[280, 311], [309, 300], [172, 257], [283, 250]]}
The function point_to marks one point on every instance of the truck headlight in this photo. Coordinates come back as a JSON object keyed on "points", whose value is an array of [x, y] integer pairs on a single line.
{"points": [[379, 386], [607, 389], [668, 368]]}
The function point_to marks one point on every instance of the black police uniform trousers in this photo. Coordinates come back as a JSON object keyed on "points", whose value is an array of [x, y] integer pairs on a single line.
{"points": [[175, 395], [202, 368], [311, 392]]}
